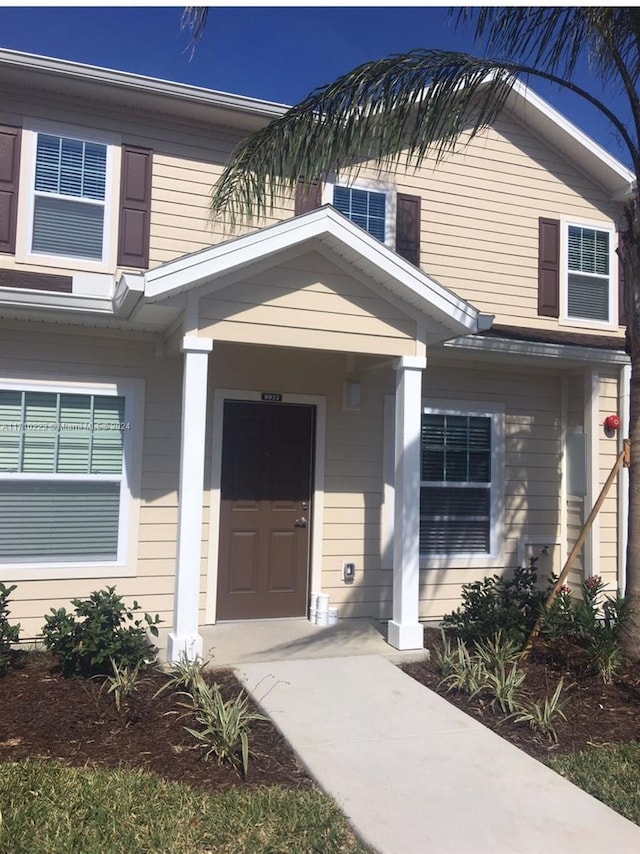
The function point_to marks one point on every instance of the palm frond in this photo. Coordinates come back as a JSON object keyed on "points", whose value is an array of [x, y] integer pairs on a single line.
{"points": [[406, 106], [194, 21], [402, 106], [557, 39]]}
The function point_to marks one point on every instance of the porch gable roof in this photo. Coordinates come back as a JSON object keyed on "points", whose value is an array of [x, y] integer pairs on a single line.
{"points": [[213, 268]]}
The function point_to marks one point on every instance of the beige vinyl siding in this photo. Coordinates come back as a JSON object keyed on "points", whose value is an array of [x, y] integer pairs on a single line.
{"points": [[188, 158], [308, 302], [532, 462], [354, 459], [353, 456], [479, 207], [69, 354]]}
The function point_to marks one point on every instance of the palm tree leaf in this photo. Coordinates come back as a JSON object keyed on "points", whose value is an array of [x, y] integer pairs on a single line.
{"points": [[403, 106], [391, 111]]}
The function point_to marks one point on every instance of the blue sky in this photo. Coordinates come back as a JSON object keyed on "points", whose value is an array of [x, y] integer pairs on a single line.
{"points": [[276, 53]]}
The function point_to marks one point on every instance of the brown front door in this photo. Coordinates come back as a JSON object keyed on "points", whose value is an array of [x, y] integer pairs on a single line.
{"points": [[265, 506]]}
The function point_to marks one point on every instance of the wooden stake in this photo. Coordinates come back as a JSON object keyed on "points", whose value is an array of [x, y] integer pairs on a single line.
{"points": [[624, 458]]}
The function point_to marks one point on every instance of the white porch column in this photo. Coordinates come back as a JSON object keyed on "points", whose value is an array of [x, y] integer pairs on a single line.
{"points": [[185, 639], [405, 632]]}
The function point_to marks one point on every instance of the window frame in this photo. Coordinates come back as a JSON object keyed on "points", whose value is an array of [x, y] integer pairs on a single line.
{"points": [[373, 186], [132, 390], [26, 202], [578, 322], [457, 560]]}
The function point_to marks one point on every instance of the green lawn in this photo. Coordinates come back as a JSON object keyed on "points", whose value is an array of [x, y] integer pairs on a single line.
{"points": [[611, 774], [48, 807]]}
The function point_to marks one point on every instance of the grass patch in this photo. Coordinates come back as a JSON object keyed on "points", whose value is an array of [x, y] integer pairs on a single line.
{"points": [[47, 806], [610, 773]]}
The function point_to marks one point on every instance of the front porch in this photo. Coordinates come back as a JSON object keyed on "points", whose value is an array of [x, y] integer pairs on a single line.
{"points": [[237, 643], [326, 306]]}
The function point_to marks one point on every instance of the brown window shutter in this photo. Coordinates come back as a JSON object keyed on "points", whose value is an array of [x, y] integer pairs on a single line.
{"points": [[622, 315], [408, 227], [548, 267], [308, 196], [135, 207], [9, 176]]}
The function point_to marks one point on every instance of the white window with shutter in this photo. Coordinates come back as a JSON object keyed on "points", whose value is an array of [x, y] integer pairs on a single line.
{"points": [[69, 211], [65, 475], [590, 274], [365, 208], [460, 494], [370, 204]]}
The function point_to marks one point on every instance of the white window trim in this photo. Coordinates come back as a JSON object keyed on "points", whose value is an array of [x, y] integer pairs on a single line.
{"points": [[125, 565], [579, 323], [374, 186], [495, 558], [26, 200]]}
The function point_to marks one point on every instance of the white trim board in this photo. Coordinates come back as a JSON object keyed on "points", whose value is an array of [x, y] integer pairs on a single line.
{"points": [[317, 507]]}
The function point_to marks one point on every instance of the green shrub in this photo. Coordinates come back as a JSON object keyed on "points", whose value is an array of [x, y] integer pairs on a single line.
{"points": [[103, 629], [496, 604], [8, 634], [595, 623]]}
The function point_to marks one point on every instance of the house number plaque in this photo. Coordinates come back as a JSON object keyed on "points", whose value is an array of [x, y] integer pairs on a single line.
{"points": [[271, 396]]}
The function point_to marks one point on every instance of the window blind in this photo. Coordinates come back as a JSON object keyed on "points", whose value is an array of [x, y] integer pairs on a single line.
{"points": [[363, 207], [67, 436], [70, 167], [70, 187], [588, 275], [455, 493], [57, 521]]}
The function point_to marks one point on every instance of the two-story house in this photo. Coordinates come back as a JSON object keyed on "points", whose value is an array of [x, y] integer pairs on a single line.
{"points": [[396, 385]]}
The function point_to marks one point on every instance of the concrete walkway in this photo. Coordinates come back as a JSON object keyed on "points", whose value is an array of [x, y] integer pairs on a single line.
{"points": [[415, 775]]}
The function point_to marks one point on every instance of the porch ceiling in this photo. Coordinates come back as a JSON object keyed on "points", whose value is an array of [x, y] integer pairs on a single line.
{"points": [[439, 314]]}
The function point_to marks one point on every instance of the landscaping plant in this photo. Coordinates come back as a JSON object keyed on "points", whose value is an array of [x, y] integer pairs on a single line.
{"points": [[510, 605], [595, 623], [102, 630], [124, 683], [8, 633], [224, 724], [541, 716], [488, 669], [185, 675]]}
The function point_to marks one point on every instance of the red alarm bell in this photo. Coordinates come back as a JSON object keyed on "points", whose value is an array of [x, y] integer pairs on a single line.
{"points": [[612, 422]]}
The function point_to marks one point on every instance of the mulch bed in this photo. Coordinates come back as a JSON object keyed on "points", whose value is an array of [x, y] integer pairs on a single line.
{"points": [[597, 714], [43, 715]]}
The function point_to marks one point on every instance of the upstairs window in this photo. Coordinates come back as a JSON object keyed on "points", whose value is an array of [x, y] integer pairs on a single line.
{"points": [[588, 274], [365, 208], [69, 201], [456, 490]]}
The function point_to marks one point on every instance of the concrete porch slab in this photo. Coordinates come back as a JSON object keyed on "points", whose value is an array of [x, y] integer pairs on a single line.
{"points": [[236, 643]]}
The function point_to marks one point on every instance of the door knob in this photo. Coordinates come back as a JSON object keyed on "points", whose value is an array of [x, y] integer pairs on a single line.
{"points": [[301, 522]]}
